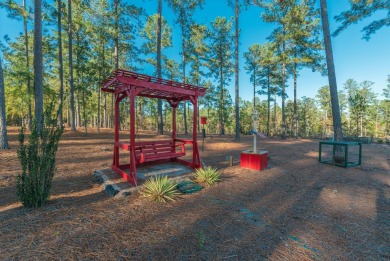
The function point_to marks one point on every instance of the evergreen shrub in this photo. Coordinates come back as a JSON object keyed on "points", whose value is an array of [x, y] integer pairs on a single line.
{"points": [[38, 160]]}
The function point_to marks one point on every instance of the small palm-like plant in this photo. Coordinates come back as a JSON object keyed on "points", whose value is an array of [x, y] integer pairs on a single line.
{"points": [[208, 176], [160, 189]]}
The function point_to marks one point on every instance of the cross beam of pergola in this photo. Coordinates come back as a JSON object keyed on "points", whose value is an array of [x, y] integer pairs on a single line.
{"points": [[124, 84]]}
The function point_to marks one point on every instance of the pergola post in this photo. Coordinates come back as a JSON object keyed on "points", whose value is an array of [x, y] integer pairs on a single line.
{"points": [[131, 94], [173, 122], [116, 134], [195, 151]]}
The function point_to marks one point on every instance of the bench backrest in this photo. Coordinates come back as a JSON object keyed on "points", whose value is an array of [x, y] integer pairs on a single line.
{"points": [[157, 147]]}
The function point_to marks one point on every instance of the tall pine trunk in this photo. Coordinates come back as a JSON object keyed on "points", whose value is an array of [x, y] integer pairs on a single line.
{"points": [[98, 110], [61, 66], [304, 121], [29, 115], [268, 102], [78, 80], [3, 122], [116, 38], [221, 118], [254, 88], [295, 125], [283, 84], [337, 127], [72, 107], [104, 111], [197, 84], [38, 64], [184, 75], [84, 114], [237, 87], [275, 112], [159, 102], [78, 110]]}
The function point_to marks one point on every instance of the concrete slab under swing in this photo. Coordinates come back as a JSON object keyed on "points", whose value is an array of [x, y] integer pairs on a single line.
{"points": [[171, 169], [114, 185]]}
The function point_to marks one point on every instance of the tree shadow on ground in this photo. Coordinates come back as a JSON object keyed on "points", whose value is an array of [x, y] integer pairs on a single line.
{"points": [[275, 214]]}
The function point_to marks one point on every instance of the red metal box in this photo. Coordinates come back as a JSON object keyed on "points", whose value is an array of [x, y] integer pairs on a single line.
{"points": [[256, 161]]}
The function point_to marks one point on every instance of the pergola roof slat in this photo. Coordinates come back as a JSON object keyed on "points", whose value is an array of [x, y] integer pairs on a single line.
{"points": [[120, 81]]}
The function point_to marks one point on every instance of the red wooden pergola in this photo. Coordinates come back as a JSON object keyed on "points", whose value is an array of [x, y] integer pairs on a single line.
{"points": [[124, 84]]}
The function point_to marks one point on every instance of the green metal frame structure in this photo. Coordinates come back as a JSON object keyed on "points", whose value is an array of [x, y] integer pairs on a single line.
{"points": [[345, 145]]}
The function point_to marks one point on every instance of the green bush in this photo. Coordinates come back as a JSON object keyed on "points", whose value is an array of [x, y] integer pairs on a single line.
{"points": [[208, 176], [160, 189], [38, 160], [380, 141]]}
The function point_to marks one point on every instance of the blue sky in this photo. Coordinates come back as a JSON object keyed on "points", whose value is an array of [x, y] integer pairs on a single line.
{"points": [[354, 57]]}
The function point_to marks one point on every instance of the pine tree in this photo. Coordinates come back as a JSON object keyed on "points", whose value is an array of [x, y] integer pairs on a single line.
{"points": [[386, 106], [361, 9], [337, 125], [184, 10], [158, 66], [70, 57], [61, 65], [324, 101], [220, 62], [38, 64], [253, 66], [3, 122], [306, 50], [268, 75], [236, 8], [277, 12], [197, 54], [150, 34], [152, 45], [17, 12]]}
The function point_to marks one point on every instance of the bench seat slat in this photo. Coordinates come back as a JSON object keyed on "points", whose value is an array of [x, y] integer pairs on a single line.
{"points": [[148, 149]]}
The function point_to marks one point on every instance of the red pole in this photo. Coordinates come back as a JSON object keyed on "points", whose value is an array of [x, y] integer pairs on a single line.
{"points": [[132, 134], [132, 118], [173, 123], [195, 152], [116, 135]]}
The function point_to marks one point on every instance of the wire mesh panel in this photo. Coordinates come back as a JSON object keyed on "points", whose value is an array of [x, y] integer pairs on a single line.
{"points": [[343, 154]]}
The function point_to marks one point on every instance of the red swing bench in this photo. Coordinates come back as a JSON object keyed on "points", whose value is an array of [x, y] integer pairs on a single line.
{"points": [[147, 151], [124, 84]]}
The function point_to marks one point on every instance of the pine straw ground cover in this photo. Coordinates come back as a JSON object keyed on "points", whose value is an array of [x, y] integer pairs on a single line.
{"points": [[297, 210]]}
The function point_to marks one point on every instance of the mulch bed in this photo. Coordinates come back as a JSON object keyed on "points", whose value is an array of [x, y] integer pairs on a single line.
{"points": [[298, 209]]}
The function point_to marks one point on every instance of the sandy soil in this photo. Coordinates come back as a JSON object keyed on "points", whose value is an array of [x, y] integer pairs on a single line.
{"points": [[298, 209]]}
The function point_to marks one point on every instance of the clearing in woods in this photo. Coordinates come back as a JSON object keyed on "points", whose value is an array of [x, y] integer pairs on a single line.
{"points": [[298, 209]]}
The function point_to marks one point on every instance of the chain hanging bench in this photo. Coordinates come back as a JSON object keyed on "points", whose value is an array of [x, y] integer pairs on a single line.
{"points": [[122, 84]]}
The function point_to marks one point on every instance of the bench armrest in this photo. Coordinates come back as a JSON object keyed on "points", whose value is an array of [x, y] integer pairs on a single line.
{"points": [[184, 141]]}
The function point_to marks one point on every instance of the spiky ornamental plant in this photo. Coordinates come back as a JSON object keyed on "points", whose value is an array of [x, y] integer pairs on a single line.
{"points": [[38, 163], [208, 176], [160, 189]]}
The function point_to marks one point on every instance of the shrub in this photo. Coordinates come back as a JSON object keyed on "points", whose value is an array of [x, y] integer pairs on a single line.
{"points": [[160, 189], [38, 164], [380, 141], [208, 176]]}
